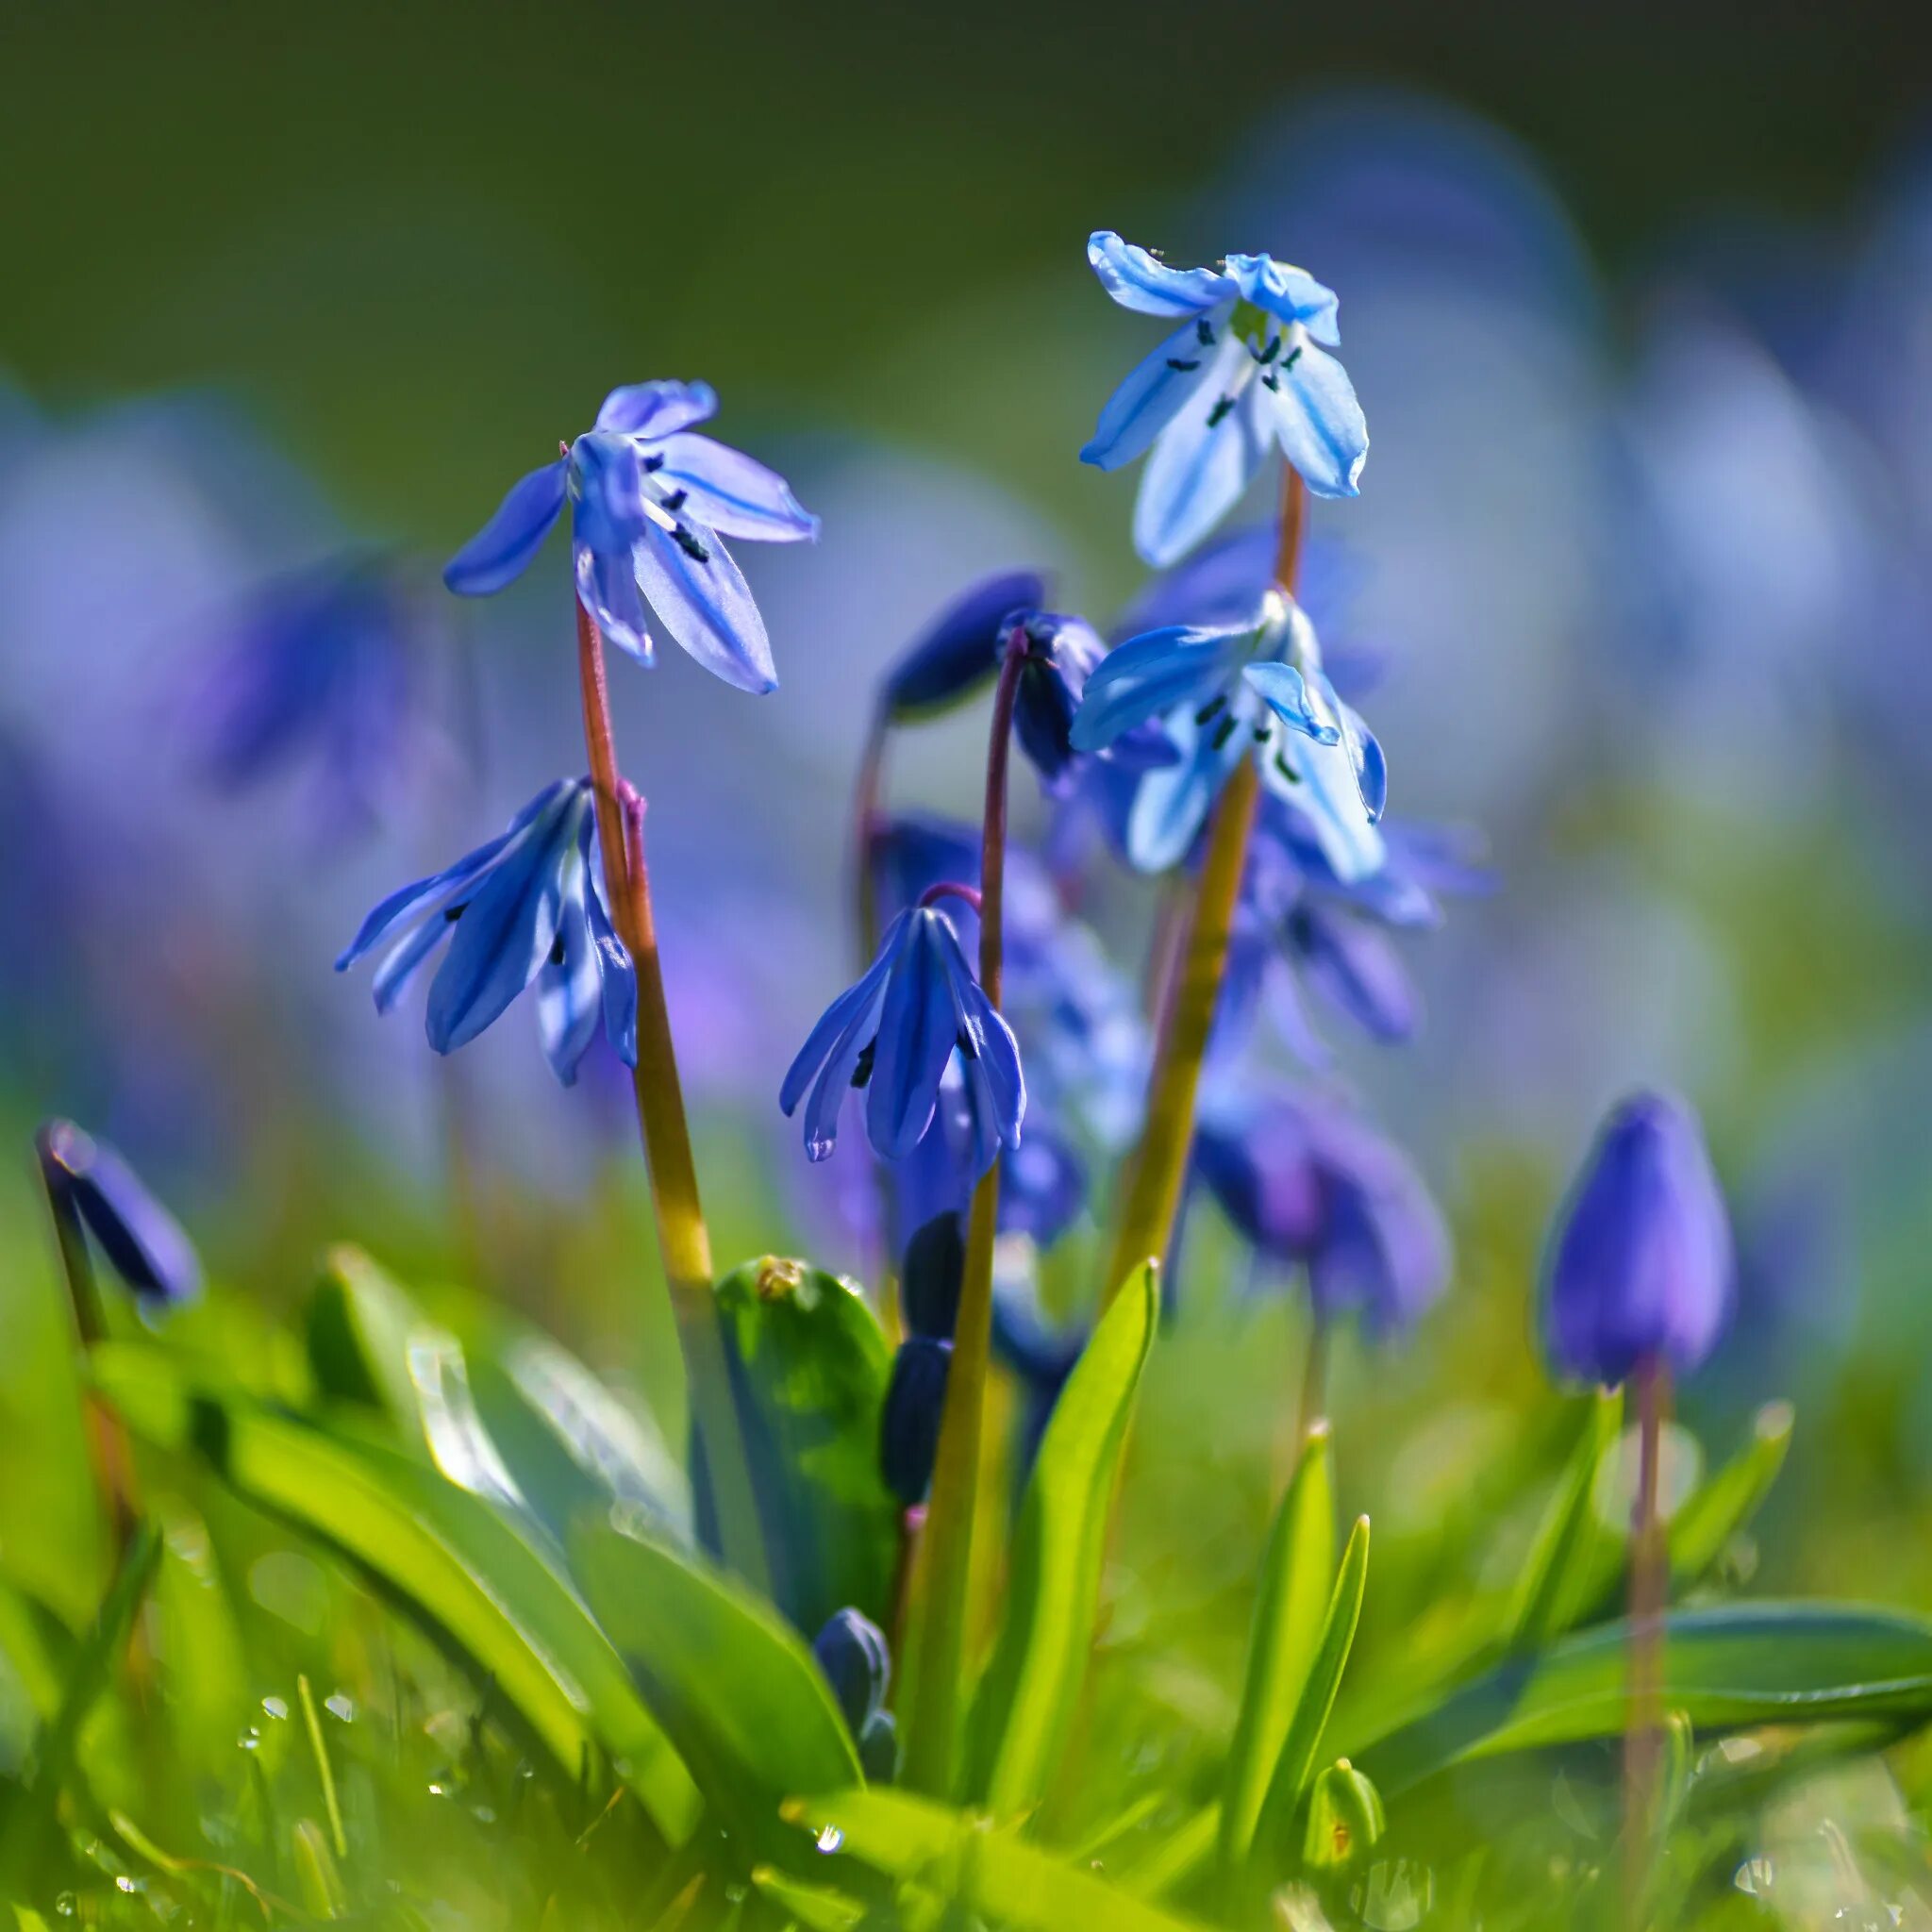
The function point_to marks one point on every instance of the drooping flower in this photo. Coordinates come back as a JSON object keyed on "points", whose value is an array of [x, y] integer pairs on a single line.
{"points": [[1058, 654], [530, 905], [1254, 691], [959, 652], [1312, 1186], [915, 1010], [909, 1417], [651, 501], [1244, 371], [91, 1186], [856, 1660], [1641, 1267]]}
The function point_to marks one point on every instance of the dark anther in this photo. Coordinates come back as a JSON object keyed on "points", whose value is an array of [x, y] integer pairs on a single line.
{"points": [[1204, 333], [455, 912], [1210, 708], [691, 546], [862, 1071], [1272, 350], [557, 950], [1272, 382], [1261, 734], [1222, 732], [1293, 356], [675, 501], [651, 462], [966, 1043], [1218, 412], [1184, 362], [1287, 771]]}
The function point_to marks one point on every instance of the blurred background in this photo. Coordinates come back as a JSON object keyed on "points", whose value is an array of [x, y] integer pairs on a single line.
{"points": [[1639, 303]]}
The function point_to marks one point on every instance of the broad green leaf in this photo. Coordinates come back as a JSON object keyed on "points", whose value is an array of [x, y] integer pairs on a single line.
{"points": [[1719, 1508], [808, 1367], [1726, 1668], [1006, 1880], [1298, 1573], [731, 1683], [446, 1557], [357, 1326], [1300, 1747], [1026, 1700], [1550, 1594]]}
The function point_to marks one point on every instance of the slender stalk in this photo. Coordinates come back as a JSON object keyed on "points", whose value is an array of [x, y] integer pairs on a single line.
{"points": [[866, 792], [933, 1707], [1157, 1170], [1644, 1724], [683, 1238]]}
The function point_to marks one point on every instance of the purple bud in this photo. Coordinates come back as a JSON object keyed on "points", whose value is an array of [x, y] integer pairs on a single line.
{"points": [[852, 1652], [142, 1243], [959, 652], [1641, 1267], [909, 1423]]}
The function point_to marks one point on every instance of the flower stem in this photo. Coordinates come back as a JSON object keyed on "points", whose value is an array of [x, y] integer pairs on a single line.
{"points": [[1643, 1724], [682, 1236], [866, 792], [1157, 1170], [933, 1706]]}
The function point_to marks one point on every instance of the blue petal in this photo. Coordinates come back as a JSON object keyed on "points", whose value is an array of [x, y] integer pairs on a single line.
{"points": [[708, 606], [1356, 970], [651, 410], [1199, 465], [1287, 291], [1137, 280], [502, 549], [1150, 675], [1371, 767], [958, 651], [917, 1033], [1170, 805], [143, 1244], [734, 494], [606, 490], [839, 1016], [1290, 699], [570, 990], [620, 977], [608, 583], [506, 931], [1154, 391], [986, 1044], [399, 965], [1319, 423], [849, 1025], [1328, 793]]}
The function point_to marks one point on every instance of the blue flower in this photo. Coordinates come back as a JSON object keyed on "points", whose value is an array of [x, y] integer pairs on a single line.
{"points": [[916, 1009], [530, 906], [93, 1188], [856, 1660], [1242, 373], [650, 502], [1058, 656], [1312, 1186], [1256, 690], [959, 652], [909, 1417], [1642, 1265]]}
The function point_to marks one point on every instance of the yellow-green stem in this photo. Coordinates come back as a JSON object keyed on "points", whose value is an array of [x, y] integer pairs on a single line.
{"points": [[1649, 1578], [683, 1238]]}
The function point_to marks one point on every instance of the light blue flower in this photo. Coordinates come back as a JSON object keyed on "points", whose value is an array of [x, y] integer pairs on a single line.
{"points": [[650, 502], [1256, 690], [528, 906], [917, 1007], [1244, 371]]}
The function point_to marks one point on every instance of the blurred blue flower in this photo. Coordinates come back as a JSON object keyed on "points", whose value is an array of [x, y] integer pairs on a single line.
{"points": [[1641, 1267], [650, 502], [1311, 1185], [856, 1660], [1240, 373], [917, 1007], [530, 906], [93, 1188], [959, 652], [910, 1419], [1256, 690]]}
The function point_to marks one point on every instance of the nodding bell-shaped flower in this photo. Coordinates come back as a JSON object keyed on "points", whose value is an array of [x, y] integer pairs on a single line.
{"points": [[1254, 691], [1244, 371], [651, 502], [1057, 655], [957, 652], [917, 1010], [92, 1189], [1642, 1265], [530, 905]]}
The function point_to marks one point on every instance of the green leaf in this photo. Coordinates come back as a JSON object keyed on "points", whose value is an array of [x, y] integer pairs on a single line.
{"points": [[1026, 1701], [446, 1557], [815, 1907], [1296, 1765], [1551, 1592], [356, 1327], [1719, 1508], [962, 1857], [1726, 1668], [808, 1367], [1297, 1575], [733, 1684]]}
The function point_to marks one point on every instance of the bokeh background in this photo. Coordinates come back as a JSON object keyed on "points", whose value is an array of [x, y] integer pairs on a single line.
{"points": [[1639, 301]]}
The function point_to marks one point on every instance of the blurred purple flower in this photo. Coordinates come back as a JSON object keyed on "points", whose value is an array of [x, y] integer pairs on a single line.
{"points": [[95, 1189], [959, 652]]}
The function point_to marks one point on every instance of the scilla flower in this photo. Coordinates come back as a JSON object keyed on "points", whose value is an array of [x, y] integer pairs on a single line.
{"points": [[1254, 690], [958, 651], [1641, 1268], [93, 1188], [1057, 655], [895, 1034], [650, 501], [1242, 373], [530, 906]]}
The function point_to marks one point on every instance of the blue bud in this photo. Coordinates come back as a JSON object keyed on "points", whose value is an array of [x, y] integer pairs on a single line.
{"points": [[853, 1653], [909, 1423], [929, 1276], [90, 1186], [879, 1749], [1640, 1266], [959, 652]]}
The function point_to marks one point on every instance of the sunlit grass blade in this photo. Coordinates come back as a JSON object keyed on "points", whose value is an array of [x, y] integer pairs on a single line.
{"points": [[356, 1327], [1297, 1575], [1719, 1507], [1007, 1881], [446, 1557], [812, 1908], [1026, 1700], [1554, 1578], [1726, 1668]]}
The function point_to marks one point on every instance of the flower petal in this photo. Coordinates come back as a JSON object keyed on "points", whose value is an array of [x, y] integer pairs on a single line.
{"points": [[1319, 423], [1357, 971], [1201, 462], [1294, 702], [702, 600], [650, 409], [1150, 675], [732, 493], [618, 973], [1172, 803], [399, 965], [958, 651], [1320, 781], [570, 986], [918, 1030], [1371, 767], [986, 1045], [1287, 291], [1138, 280], [1154, 392], [501, 551], [608, 583]]}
